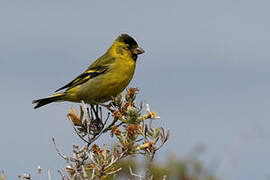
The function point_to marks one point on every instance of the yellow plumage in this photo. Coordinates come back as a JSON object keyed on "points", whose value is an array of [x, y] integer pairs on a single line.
{"points": [[105, 78]]}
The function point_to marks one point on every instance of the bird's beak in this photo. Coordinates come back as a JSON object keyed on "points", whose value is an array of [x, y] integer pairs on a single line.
{"points": [[137, 51]]}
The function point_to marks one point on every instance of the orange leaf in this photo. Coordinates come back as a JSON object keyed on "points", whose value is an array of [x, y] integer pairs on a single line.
{"points": [[74, 118]]}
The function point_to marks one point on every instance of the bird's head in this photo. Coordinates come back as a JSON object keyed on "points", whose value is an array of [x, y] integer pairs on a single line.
{"points": [[125, 45]]}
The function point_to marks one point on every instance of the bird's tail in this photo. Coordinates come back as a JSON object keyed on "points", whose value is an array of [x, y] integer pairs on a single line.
{"points": [[44, 101]]}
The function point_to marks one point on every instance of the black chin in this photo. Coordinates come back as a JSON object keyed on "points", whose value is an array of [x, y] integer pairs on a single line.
{"points": [[134, 57]]}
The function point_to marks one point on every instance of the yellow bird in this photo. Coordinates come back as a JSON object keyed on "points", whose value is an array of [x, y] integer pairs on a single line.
{"points": [[105, 78]]}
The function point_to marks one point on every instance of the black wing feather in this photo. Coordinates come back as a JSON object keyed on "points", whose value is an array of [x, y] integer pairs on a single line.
{"points": [[85, 76]]}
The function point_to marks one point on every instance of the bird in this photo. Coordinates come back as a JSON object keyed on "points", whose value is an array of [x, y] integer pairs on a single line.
{"points": [[104, 79]]}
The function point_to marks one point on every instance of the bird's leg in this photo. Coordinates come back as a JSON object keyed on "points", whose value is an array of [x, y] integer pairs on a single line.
{"points": [[107, 106]]}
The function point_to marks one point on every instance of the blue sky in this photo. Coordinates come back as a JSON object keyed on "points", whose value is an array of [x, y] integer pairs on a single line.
{"points": [[205, 71]]}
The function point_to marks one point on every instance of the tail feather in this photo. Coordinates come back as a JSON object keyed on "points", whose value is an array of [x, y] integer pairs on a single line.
{"points": [[44, 101]]}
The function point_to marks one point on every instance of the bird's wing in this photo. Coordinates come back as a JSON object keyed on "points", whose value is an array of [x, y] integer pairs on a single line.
{"points": [[85, 76], [100, 66]]}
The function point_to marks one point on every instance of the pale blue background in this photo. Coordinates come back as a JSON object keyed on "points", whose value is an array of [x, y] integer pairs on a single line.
{"points": [[205, 71]]}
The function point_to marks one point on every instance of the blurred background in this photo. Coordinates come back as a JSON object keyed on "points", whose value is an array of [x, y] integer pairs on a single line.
{"points": [[205, 72]]}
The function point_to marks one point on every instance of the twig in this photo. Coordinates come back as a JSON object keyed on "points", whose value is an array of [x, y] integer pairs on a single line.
{"points": [[114, 172], [87, 114], [49, 174], [58, 151], [61, 174], [93, 174], [85, 176], [136, 175], [75, 129]]}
